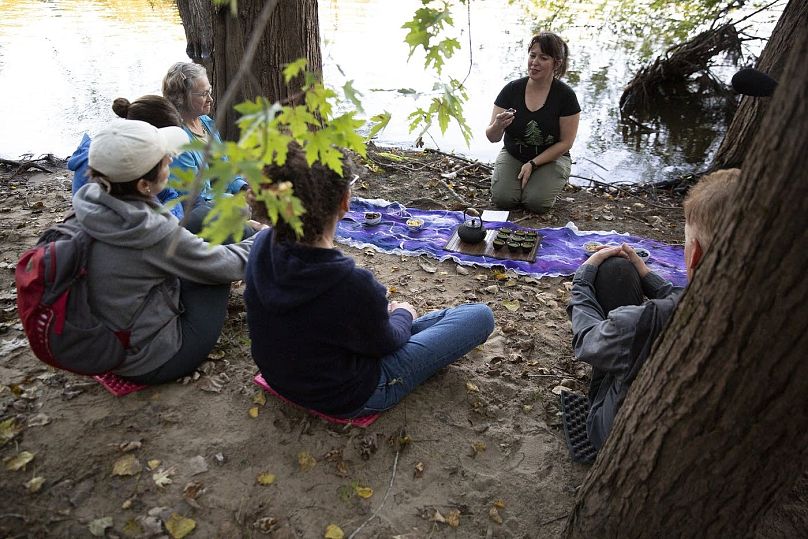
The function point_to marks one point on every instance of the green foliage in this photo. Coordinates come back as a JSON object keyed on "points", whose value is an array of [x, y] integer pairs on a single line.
{"points": [[266, 130], [446, 107], [425, 27]]}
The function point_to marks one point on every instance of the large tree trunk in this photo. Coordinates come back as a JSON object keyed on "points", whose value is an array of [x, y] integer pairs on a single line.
{"points": [[741, 135], [197, 20], [293, 32], [714, 431]]}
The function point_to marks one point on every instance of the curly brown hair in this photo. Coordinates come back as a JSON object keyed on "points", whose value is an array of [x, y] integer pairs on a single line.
{"points": [[319, 189]]}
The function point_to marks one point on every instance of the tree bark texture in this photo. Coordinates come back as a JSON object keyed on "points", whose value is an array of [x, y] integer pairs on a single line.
{"points": [[714, 431], [741, 135], [196, 20], [293, 32]]}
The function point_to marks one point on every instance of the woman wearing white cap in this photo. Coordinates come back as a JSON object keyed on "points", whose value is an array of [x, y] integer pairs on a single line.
{"points": [[147, 274]]}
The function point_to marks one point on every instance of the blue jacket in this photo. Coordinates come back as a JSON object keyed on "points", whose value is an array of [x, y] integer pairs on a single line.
{"points": [[195, 160], [318, 324], [78, 163]]}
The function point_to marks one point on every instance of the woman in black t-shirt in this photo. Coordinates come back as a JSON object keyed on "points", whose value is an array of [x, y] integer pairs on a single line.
{"points": [[538, 115]]}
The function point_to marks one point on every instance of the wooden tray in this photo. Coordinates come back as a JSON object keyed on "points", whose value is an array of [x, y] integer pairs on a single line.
{"points": [[486, 248]]}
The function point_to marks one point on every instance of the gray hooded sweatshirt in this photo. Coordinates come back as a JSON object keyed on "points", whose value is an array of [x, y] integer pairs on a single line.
{"points": [[130, 270]]}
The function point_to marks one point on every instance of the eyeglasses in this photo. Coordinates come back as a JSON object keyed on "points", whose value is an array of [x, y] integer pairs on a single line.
{"points": [[207, 93]]}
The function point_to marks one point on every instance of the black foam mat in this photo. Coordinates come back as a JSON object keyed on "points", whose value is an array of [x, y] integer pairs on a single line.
{"points": [[574, 409]]}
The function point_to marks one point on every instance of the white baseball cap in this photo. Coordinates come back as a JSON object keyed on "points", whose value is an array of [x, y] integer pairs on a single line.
{"points": [[126, 150]]}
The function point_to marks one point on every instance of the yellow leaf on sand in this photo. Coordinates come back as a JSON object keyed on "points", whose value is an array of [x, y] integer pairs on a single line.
{"points": [[511, 305], [260, 398], [152, 464], [493, 514], [477, 447], [472, 387], [499, 504], [265, 478], [126, 465], [306, 461], [363, 492], [453, 518], [18, 461], [333, 532], [501, 276], [253, 412], [178, 526], [35, 484], [8, 430]]}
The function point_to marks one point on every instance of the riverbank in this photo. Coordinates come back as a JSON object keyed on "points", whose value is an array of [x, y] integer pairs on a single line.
{"points": [[475, 452]]}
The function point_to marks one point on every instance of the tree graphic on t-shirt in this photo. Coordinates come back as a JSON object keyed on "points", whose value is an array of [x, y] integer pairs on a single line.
{"points": [[534, 137]]}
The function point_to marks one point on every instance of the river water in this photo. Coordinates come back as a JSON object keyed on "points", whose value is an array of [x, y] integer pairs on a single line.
{"points": [[62, 62]]}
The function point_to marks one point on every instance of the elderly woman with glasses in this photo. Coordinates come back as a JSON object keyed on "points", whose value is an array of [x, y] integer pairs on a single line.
{"points": [[187, 86]]}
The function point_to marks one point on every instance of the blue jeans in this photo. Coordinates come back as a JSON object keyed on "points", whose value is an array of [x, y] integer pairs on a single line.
{"points": [[438, 339]]}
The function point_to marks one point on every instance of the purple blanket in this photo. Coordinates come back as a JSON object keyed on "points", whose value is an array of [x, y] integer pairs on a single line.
{"points": [[561, 250]]}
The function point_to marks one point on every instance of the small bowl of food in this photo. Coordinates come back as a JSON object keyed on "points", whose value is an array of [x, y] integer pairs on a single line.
{"points": [[645, 254], [498, 244], [415, 224], [373, 218], [592, 247]]}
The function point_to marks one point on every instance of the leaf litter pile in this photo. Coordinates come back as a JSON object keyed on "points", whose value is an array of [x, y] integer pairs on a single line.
{"points": [[475, 452]]}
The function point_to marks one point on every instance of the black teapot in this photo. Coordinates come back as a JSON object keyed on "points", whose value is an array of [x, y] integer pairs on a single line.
{"points": [[471, 231]]}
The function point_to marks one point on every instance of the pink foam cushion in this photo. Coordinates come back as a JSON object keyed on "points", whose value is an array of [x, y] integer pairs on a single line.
{"points": [[117, 385], [364, 421]]}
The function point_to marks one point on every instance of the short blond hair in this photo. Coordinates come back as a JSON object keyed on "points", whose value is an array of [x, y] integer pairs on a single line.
{"points": [[707, 201]]}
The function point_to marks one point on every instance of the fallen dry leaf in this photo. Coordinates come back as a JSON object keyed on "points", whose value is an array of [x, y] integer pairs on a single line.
{"points": [[191, 492], [427, 267], [437, 517], [305, 461], [499, 504], [265, 524], [253, 412], [18, 461], [178, 526], [38, 420], [471, 387], [493, 514], [363, 492], [153, 464], [126, 465], [98, 526], [197, 465], [419, 470], [512, 306], [453, 518], [9, 428], [477, 448], [35, 484], [260, 398], [333, 531], [126, 447], [132, 529], [162, 478], [265, 478]]}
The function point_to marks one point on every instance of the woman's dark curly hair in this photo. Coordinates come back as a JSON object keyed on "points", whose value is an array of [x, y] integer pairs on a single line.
{"points": [[319, 189]]}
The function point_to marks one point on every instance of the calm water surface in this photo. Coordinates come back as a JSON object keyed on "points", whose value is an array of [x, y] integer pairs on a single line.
{"points": [[62, 62]]}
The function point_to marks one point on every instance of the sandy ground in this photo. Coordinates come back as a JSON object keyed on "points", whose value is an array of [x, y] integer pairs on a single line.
{"points": [[475, 452]]}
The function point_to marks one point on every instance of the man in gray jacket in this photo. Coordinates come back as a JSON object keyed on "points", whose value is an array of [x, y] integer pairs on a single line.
{"points": [[613, 326]]}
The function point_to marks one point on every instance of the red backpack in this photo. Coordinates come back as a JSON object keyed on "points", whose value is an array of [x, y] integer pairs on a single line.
{"points": [[52, 302]]}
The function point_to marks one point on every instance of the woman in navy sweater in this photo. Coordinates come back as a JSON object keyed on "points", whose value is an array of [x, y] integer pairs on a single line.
{"points": [[323, 333]]}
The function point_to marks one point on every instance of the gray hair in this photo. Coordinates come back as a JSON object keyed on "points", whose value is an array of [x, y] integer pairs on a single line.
{"points": [[178, 82]]}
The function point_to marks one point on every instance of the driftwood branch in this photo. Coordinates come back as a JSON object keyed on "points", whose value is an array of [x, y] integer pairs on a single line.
{"points": [[25, 164]]}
